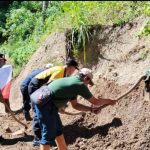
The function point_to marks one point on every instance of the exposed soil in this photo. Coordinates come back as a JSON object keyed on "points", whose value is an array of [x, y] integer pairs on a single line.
{"points": [[117, 64], [122, 127]]}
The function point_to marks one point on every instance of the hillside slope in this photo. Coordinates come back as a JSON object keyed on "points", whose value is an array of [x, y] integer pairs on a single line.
{"points": [[118, 58], [49, 52]]}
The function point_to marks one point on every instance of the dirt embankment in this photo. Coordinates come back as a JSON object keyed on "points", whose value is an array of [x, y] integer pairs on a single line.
{"points": [[116, 57], [51, 51]]}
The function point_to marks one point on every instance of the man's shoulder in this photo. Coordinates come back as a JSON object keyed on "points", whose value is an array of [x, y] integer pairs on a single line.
{"points": [[74, 80], [54, 69], [34, 72], [58, 68], [7, 66]]}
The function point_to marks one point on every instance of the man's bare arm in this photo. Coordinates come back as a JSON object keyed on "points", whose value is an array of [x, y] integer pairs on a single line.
{"points": [[79, 106], [101, 101]]}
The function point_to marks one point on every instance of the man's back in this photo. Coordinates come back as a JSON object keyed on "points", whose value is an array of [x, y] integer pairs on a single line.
{"points": [[68, 88], [47, 73], [27, 80]]}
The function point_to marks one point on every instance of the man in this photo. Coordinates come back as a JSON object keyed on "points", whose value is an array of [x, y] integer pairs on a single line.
{"points": [[5, 81], [46, 77], [24, 90], [51, 74], [48, 99]]}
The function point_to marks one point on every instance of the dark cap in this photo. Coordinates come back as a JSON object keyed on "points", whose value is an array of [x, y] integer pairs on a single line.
{"points": [[2, 57], [72, 62]]}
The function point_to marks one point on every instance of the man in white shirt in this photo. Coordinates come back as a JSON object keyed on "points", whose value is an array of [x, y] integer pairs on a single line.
{"points": [[2, 64]]}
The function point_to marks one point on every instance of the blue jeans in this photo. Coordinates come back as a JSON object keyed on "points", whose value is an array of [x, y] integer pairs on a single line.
{"points": [[36, 124], [50, 123], [32, 87], [47, 115], [26, 99]]}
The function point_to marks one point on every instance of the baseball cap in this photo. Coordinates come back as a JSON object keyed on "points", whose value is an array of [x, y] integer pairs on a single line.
{"points": [[87, 72], [2, 57], [72, 62]]}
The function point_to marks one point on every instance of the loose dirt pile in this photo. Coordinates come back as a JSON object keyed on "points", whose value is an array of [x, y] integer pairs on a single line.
{"points": [[115, 55], [124, 126]]}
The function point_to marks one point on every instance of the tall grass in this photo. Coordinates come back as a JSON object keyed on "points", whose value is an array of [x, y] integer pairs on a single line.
{"points": [[80, 15]]}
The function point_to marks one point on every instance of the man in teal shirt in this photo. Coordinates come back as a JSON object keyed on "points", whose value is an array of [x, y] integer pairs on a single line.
{"points": [[48, 99]]}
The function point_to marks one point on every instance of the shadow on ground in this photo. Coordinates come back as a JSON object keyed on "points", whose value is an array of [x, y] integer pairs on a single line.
{"points": [[73, 131], [13, 141]]}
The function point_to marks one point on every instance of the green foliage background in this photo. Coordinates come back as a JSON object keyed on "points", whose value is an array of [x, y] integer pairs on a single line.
{"points": [[22, 28]]}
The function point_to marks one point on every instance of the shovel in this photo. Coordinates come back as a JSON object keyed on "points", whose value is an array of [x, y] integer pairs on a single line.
{"points": [[21, 131], [123, 95]]}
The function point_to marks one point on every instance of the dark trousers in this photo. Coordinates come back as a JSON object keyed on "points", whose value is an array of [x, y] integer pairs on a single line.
{"points": [[33, 86], [26, 99]]}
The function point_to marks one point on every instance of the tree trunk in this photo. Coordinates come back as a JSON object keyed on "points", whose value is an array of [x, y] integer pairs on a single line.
{"points": [[45, 6]]}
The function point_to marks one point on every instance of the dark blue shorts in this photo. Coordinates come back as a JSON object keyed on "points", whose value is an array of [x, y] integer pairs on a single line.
{"points": [[50, 123]]}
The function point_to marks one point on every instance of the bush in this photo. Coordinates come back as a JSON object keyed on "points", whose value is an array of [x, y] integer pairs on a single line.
{"points": [[25, 27], [20, 24]]}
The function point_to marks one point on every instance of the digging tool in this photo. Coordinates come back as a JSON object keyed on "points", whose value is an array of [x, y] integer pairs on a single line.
{"points": [[24, 125], [74, 114], [15, 116], [62, 111], [12, 114], [133, 87], [123, 95]]}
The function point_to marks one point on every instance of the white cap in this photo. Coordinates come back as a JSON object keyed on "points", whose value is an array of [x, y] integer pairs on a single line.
{"points": [[48, 65], [87, 72]]}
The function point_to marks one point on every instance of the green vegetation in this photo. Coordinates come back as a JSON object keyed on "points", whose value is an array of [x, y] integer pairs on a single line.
{"points": [[22, 28]]}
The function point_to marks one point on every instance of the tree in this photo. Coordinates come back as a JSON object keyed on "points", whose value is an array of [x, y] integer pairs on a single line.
{"points": [[45, 6]]}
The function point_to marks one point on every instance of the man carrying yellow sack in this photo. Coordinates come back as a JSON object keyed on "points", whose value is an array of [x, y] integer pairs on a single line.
{"points": [[46, 77]]}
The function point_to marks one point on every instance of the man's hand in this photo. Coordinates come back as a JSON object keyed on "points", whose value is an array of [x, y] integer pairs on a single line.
{"points": [[61, 110], [1, 101], [40, 99], [1, 98], [112, 102], [100, 101], [96, 110]]}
